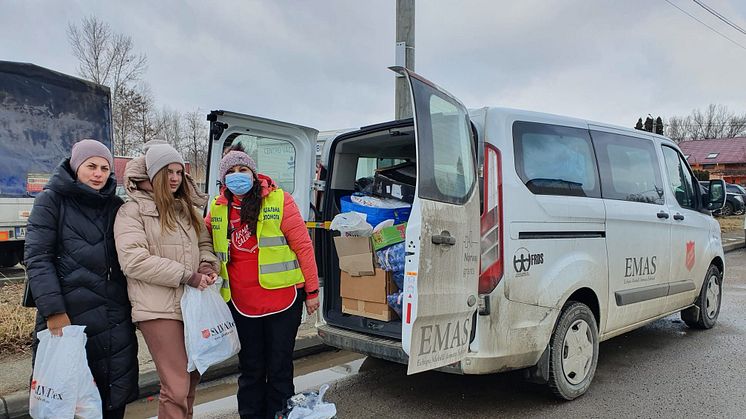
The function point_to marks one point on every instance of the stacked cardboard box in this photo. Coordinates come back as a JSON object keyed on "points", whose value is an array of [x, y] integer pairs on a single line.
{"points": [[363, 287]]}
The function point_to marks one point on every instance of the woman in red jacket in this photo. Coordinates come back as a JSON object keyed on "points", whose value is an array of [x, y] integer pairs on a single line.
{"points": [[269, 269]]}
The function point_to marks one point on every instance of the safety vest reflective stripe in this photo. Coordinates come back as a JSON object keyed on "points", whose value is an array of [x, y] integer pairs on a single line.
{"points": [[278, 264], [279, 267], [222, 256], [272, 241]]}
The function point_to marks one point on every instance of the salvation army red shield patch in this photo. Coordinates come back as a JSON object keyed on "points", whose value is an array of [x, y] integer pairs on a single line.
{"points": [[689, 255], [206, 333]]}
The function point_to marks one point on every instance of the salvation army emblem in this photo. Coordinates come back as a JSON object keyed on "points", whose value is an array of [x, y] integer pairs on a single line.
{"points": [[689, 255], [206, 333], [33, 385]]}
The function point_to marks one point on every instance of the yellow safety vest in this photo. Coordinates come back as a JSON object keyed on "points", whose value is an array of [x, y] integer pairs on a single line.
{"points": [[278, 264]]}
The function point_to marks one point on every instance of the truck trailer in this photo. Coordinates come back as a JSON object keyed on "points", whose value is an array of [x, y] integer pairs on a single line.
{"points": [[42, 114]]}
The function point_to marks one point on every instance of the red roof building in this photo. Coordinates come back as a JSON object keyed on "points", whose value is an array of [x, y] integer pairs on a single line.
{"points": [[724, 158]]}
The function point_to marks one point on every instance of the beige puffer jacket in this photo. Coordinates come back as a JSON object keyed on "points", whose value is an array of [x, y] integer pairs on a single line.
{"points": [[157, 263]]}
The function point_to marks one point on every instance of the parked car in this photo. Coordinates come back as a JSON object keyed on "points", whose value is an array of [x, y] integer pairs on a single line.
{"points": [[736, 189], [734, 202]]}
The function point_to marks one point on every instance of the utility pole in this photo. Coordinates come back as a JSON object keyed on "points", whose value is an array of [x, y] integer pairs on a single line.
{"points": [[404, 55]]}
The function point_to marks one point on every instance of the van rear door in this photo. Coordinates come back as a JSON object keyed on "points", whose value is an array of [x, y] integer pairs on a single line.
{"points": [[442, 237], [283, 151]]}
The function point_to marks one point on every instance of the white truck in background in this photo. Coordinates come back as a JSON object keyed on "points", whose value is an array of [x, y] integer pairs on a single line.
{"points": [[42, 114]]}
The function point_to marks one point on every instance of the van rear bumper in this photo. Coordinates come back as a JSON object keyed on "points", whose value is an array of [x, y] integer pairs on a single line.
{"points": [[376, 347]]}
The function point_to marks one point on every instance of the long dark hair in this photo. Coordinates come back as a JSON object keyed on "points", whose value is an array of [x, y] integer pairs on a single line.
{"points": [[251, 203]]}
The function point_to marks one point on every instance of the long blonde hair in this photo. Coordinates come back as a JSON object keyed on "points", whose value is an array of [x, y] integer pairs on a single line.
{"points": [[165, 202]]}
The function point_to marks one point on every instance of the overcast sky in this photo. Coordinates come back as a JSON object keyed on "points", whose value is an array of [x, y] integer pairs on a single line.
{"points": [[324, 63]]}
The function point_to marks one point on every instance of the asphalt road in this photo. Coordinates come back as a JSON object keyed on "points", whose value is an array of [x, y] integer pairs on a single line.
{"points": [[662, 370]]}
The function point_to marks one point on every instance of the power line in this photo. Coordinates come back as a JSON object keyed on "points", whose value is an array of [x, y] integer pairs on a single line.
{"points": [[708, 26], [720, 16]]}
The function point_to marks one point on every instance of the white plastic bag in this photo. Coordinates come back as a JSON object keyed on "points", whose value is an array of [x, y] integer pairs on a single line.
{"points": [[310, 405], [62, 385], [210, 333], [351, 224]]}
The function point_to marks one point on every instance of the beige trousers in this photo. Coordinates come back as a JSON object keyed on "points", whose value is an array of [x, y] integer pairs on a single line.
{"points": [[165, 340]]}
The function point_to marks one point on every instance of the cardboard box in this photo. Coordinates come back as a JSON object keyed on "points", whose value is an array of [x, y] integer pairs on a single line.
{"points": [[389, 236], [377, 311], [355, 255], [366, 295]]}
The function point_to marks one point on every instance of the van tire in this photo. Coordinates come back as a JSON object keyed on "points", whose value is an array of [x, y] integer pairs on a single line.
{"points": [[707, 307], [575, 335]]}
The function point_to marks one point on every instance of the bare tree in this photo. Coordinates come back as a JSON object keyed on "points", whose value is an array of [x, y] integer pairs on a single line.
{"points": [[103, 56], [145, 127], [108, 58], [195, 143], [169, 127], [715, 121]]}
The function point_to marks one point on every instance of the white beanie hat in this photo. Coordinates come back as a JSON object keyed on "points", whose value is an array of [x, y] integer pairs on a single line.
{"points": [[159, 156]]}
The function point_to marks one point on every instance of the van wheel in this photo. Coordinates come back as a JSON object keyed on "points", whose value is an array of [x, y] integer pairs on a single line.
{"points": [[707, 309], [573, 351]]}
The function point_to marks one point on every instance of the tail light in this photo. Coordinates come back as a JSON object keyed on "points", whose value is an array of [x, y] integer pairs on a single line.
{"points": [[491, 223]]}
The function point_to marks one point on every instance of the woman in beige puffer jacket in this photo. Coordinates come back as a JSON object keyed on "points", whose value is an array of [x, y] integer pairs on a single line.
{"points": [[159, 255]]}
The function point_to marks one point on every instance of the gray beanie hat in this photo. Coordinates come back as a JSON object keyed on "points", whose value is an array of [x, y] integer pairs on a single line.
{"points": [[235, 158], [159, 156], [85, 149]]}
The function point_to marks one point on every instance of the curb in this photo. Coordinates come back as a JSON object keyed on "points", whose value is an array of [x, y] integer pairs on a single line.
{"points": [[734, 246], [15, 405]]}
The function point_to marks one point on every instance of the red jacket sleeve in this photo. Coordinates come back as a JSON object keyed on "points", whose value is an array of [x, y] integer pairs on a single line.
{"points": [[294, 228]]}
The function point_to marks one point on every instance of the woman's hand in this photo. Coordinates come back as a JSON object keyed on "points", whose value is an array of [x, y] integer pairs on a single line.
{"points": [[312, 304], [212, 278], [56, 322], [200, 281]]}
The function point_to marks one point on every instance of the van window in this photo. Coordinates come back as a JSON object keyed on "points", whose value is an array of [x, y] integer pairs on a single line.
{"points": [[679, 178], [629, 168], [446, 166], [274, 158], [555, 160], [367, 166]]}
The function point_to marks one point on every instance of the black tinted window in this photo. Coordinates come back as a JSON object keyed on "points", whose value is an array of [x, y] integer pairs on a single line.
{"points": [[555, 160], [629, 168]]}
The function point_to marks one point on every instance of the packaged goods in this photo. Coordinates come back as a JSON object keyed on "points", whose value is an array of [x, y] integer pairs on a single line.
{"points": [[386, 209], [396, 182]]}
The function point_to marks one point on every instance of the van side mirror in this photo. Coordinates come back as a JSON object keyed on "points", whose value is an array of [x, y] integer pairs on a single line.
{"points": [[715, 198]]}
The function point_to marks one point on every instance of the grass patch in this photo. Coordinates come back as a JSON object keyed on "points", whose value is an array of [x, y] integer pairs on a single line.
{"points": [[730, 223], [16, 322]]}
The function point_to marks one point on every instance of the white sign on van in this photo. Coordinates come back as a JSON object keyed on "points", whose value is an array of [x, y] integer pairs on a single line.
{"points": [[438, 344]]}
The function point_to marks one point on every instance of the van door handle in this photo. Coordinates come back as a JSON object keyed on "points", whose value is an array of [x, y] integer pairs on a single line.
{"points": [[662, 214], [678, 217], [444, 238]]}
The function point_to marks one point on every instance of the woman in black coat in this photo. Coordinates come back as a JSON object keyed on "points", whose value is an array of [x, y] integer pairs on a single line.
{"points": [[74, 274]]}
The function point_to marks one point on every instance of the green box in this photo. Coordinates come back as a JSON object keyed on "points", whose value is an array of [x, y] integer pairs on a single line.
{"points": [[389, 236]]}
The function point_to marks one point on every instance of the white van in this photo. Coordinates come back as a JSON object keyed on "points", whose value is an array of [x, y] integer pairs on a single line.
{"points": [[532, 237]]}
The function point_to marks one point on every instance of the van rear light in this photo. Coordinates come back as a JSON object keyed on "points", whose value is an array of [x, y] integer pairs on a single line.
{"points": [[491, 223]]}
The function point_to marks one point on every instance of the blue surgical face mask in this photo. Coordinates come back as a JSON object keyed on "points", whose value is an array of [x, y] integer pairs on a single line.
{"points": [[239, 183]]}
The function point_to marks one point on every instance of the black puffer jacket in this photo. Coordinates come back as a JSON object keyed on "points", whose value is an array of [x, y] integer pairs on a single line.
{"points": [[72, 267]]}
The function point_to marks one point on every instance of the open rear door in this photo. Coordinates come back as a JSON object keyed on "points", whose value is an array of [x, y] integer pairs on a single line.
{"points": [[283, 151], [442, 238]]}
